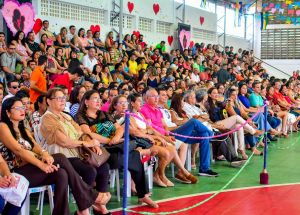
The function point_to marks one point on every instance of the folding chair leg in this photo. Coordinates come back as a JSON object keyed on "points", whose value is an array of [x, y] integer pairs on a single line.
{"points": [[42, 202], [50, 195], [118, 184], [188, 161]]}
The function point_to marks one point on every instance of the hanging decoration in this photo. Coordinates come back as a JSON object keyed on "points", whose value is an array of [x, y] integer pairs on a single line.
{"points": [[203, 3], [37, 26], [286, 12], [136, 33], [18, 17], [156, 8], [170, 40], [264, 20], [201, 20], [238, 13], [130, 6], [95, 28]]}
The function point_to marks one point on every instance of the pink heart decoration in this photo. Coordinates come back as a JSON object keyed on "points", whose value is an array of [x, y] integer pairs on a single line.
{"points": [[37, 25], [170, 40], [18, 17], [136, 33], [130, 6], [94, 28], [156, 8], [191, 44], [201, 20], [184, 38]]}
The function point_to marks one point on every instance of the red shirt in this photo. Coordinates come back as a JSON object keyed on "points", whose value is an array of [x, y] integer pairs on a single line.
{"points": [[63, 79], [277, 96]]}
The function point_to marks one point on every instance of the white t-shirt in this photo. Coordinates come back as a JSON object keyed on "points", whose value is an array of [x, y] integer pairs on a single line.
{"points": [[167, 117], [195, 78], [87, 62]]}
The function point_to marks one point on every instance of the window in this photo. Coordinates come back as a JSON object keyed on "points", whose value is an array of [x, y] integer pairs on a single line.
{"points": [[60, 9], [204, 35], [145, 24], [65, 11], [280, 44], [127, 20], [44, 7], [163, 27], [54, 9]]}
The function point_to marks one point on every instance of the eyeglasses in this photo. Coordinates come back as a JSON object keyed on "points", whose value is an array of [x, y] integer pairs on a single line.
{"points": [[19, 108], [154, 96], [12, 48], [15, 87], [95, 99], [122, 103], [60, 99]]}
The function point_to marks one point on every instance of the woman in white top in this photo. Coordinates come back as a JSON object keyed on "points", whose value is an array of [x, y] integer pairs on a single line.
{"points": [[166, 153]]}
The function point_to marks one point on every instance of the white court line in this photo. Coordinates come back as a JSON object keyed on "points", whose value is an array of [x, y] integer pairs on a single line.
{"points": [[210, 192]]}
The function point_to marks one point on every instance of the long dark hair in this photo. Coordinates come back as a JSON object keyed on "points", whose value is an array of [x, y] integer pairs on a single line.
{"points": [[6, 107], [241, 84], [82, 108], [17, 37], [176, 104], [74, 94]]}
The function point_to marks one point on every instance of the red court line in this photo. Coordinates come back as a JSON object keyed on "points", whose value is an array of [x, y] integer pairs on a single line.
{"points": [[277, 200]]}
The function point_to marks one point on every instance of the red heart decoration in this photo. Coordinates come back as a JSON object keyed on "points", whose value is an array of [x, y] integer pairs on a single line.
{"points": [[136, 33], [191, 44], [170, 40], [37, 26], [130, 6], [156, 8], [201, 20], [95, 28]]}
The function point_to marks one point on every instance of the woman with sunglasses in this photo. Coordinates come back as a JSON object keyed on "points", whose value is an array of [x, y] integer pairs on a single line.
{"points": [[62, 135], [25, 157]]}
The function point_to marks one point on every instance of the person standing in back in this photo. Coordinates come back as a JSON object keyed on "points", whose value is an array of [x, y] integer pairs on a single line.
{"points": [[38, 82]]}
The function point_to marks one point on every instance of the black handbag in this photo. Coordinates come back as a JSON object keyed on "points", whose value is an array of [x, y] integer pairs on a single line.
{"points": [[119, 148]]}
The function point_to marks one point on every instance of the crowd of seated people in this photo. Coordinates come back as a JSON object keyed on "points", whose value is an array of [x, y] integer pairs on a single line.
{"points": [[74, 83]]}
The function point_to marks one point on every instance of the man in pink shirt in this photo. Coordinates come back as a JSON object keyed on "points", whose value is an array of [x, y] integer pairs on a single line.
{"points": [[152, 113], [111, 94], [193, 127]]}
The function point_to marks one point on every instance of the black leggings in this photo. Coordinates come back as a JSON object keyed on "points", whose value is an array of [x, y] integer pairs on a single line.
{"points": [[91, 174], [84, 195]]}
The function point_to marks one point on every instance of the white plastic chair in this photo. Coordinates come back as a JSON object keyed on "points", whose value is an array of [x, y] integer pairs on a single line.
{"points": [[25, 210], [115, 179]]}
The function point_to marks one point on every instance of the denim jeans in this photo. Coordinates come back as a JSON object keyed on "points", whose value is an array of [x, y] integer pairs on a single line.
{"points": [[274, 121], [8, 209], [195, 128], [260, 121]]}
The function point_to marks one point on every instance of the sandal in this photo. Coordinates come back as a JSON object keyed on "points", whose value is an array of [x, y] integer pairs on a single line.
{"points": [[104, 198], [148, 202], [243, 153]]}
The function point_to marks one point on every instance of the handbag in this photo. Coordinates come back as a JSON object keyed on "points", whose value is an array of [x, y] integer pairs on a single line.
{"points": [[89, 156], [119, 148]]}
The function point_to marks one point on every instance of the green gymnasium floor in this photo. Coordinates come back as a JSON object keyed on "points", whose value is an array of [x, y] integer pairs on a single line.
{"points": [[283, 167]]}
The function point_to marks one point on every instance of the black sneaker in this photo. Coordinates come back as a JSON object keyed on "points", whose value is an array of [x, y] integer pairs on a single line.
{"points": [[208, 173]]}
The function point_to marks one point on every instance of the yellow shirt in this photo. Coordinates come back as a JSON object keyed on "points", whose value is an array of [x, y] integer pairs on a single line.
{"points": [[133, 67], [144, 66]]}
